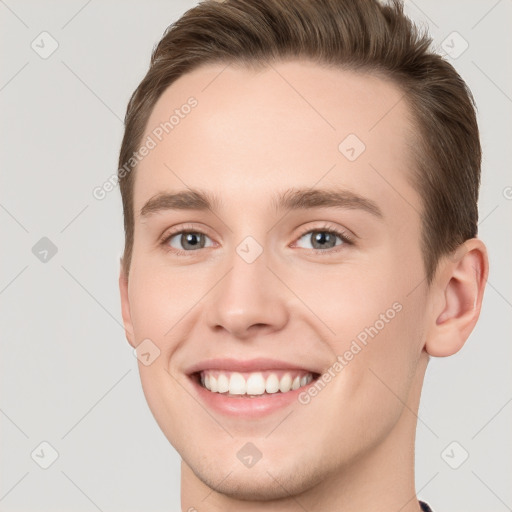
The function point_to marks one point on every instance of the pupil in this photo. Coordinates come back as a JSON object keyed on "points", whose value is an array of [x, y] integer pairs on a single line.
{"points": [[192, 240], [321, 238]]}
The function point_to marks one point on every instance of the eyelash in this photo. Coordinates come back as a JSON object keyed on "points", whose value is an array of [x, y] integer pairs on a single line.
{"points": [[326, 228]]}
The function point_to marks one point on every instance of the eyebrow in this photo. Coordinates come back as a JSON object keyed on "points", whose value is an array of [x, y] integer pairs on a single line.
{"points": [[291, 199]]}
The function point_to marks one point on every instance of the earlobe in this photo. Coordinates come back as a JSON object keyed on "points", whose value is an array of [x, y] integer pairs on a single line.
{"points": [[125, 305], [460, 286]]}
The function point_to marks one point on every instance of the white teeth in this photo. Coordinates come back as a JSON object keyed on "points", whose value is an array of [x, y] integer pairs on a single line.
{"points": [[272, 384], [222, 383], [237, 385], [286, 383], [253, 384]]}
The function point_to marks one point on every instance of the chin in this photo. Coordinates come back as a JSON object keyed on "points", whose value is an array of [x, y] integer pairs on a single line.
{"points": [[262, 482]]}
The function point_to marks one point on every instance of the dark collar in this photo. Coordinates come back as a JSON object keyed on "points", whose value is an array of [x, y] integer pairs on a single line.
{"points": [[424, 507]]}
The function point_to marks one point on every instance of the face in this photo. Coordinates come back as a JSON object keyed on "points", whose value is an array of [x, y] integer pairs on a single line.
{"points": [[301, 279]]}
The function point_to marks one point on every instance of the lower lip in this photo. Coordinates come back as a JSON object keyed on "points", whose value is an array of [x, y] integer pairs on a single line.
{"points": [[246, 406]]}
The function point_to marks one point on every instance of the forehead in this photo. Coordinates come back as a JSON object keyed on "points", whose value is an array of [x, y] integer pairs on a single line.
{"points": [[240, 132]]}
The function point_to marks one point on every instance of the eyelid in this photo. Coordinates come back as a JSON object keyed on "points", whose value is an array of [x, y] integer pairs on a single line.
{"points": [[343, 233], [187, 226]]}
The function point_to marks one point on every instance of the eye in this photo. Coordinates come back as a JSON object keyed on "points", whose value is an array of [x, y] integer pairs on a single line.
{"points": [[324, 238], [187, 241], [320, 240]]}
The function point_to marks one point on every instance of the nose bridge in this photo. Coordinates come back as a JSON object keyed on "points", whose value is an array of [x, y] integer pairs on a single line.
{"points": [[248, 294]]}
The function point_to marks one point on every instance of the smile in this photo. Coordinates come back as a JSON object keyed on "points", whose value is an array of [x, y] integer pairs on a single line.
{"points": [[250, 388], [254, 383]]}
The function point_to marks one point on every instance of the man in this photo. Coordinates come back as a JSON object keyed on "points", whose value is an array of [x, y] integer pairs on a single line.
{"points": [[299, 184]]}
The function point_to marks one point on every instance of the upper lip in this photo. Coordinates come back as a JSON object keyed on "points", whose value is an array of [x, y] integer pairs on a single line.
{"points": [[249, 365]]}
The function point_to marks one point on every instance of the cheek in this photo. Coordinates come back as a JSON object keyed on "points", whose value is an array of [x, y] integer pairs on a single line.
{"points": [[158, 299], [370, 392], [378, 337], [150, 311]]}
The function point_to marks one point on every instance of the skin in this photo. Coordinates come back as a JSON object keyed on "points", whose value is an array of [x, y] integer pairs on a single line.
{"points": [[252, 135]]}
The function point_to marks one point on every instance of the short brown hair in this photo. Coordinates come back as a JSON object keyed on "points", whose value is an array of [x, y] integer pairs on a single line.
{"points": [[350, 34]]}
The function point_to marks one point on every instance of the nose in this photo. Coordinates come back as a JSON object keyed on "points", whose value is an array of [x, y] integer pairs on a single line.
{"points": [[248, 300]]}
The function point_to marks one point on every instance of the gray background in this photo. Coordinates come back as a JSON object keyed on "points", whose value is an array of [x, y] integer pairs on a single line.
{"points": [[68, 376]]}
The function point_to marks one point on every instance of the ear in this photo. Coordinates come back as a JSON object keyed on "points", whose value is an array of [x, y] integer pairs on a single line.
{"points": [[458, 292], [125, 305]]}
